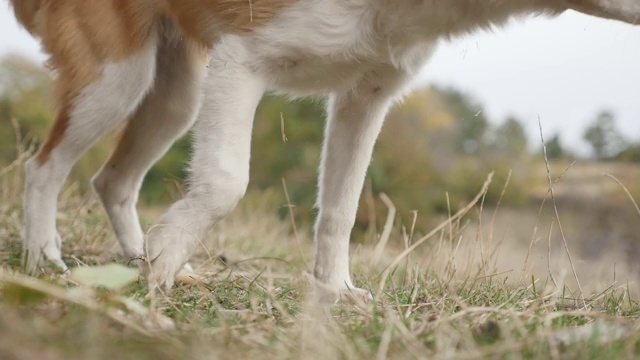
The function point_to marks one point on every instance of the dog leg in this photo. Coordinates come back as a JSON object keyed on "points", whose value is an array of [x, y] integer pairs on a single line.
{"points": [[354, 121], [165, 114], [219, 169], [97, 108]]}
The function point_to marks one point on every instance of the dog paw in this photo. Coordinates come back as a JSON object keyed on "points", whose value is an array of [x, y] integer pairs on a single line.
{"points": [[355, 295], [327, 294], [166, 255], [162, 277], [188, 276], [161, 273], [38, 252]]}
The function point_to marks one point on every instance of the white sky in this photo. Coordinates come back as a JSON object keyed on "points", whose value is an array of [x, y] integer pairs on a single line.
{"points": [[564, 70]]}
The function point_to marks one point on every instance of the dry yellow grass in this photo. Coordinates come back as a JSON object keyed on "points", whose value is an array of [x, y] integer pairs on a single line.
{"points": [[475, 288]]}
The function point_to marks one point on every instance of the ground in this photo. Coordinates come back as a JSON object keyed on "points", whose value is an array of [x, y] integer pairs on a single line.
{"points": [[463, 292]]}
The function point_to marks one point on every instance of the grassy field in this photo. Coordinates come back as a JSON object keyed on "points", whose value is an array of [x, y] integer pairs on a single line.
{"points": [[462, 291]]}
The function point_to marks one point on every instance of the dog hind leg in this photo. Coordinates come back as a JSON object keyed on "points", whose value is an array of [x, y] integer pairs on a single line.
{"points": [[94, 110], [165, 114]]}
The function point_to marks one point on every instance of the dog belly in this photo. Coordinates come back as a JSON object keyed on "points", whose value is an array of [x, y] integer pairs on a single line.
{"points": [[313, 77]]}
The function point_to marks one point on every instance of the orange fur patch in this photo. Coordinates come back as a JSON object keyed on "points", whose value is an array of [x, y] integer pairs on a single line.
{"points": [[26, 11], [82, 35], [195, 17], [197, 56], [55, 134]]}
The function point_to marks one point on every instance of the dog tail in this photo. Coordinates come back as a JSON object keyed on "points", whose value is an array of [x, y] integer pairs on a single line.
{"points": [[26, 12]]}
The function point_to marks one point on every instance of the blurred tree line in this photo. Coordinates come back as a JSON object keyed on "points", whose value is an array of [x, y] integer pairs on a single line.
{"points": [[435, 150]]}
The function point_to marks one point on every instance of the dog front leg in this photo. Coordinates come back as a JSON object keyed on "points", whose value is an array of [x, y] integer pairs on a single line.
{"points": [[219, 169], [353, 124]]}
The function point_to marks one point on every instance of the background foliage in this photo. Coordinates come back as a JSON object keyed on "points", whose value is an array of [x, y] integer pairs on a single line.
{"points": [[433, 154]]}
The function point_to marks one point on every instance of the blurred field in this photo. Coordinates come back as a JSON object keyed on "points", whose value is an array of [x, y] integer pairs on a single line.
{"points": [[476, 288], [599, 221]]}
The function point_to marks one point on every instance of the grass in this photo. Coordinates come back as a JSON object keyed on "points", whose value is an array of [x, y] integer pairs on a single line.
{"points": [[453, 296]]}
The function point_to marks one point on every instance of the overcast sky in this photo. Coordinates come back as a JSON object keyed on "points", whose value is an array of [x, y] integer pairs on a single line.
{"points": [[563, 70]]}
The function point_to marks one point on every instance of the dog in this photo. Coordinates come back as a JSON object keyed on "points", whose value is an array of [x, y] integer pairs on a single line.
{"points": [[162, 66]]}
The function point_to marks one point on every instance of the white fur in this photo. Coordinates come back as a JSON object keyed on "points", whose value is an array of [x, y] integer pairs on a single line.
{"points": [[220, 168], [361, 55], [166, 113], [98, 109], [358, 54]]}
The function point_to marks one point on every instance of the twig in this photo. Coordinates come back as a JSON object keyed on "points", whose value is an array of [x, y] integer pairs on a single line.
{"points": [[284, 136], [293, 221], [495, 211], [535, 228], [549, 255], [386, 232], [555, 209], [444, 224], [633, 201]]}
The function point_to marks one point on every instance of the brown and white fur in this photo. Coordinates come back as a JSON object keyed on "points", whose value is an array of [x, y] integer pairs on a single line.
{"points": [[145, 62]]}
